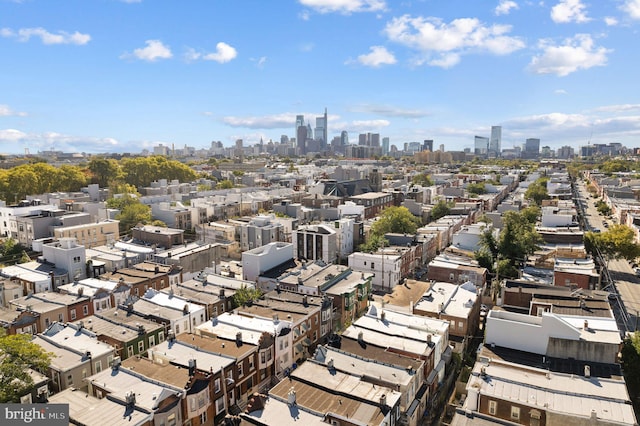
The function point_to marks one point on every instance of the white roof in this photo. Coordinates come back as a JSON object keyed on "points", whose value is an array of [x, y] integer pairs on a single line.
{"points": [[362, 367], [456, 300], [122, 381], [25, 273], [69, 337], [180, 353], [135, 248], [560, 393], [279, 413], [168, 301], [227, 325]]}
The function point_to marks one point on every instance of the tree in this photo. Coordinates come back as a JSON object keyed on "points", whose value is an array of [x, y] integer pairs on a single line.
{"points": [[224, 184], [17, 355], [603, 208], [476, 188], [440, 209], [398, 220], [537, 191], [484, 258], [133, 214], [24, 258], [616, 243], [104, 170], [373, 243], [631, 363], [422, 179], [246, 295]]}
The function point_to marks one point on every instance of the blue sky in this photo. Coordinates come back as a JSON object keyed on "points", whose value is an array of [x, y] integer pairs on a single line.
{"points": [[124, 75]]}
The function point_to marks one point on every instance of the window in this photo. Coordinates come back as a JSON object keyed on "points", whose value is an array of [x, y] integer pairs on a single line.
{"points": [[203, 418], [60, 317], [98, 366], [73, 314], [451, 276], [70, 380], [493, 407], [47, 322], [460, 325], [515, 413], [152, 341], [161, 336], [251, 366], [171, 420], [177, 328], [240, 372], [263, 357], [216, 387], [141, 346], [373, 265], [130, 350], [220, 405], [85, 310]]}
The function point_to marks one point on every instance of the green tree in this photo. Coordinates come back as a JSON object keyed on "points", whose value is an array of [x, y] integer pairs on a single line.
{"points": [[518, 239], [224, 184], [440, 209], [476, 188], [24, 258], [133, 214], [603, 208], [422, 179], [246, 295], [397, 220], [104, 170], [71, 178], [537, 192], [631, 365], [484, 258], [17, 355], [373, 243], [616, 243]]}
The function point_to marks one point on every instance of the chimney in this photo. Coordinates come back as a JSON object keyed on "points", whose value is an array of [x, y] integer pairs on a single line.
{"points": [[115, 364], [330, 363], [586, 325], [275, 318], [239, 338], [429, 337], [192, 367], [80, 325], [587, 371], [304, 300], [291, 396], [360, 336], [222, 296], [383, 399], [382, 316]]}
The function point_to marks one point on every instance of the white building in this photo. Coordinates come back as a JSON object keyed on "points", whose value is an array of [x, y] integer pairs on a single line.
{"points": [[8, 214], [469, 237], [349, 208], [259, 231], [67, 254], [385, 264], [315, 242], [344, 236], [183, 315], [250, 330], [261, 259]]}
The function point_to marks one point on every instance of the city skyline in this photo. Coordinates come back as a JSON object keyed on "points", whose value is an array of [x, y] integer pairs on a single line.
{"points": [[127, 75]]}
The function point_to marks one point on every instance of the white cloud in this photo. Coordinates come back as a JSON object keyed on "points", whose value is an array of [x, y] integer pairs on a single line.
{"points": [[378, 56], [505, 7], [67, 143], [389, 111], [224, 53], [569, 11], [304, 15], [274, 121], [344, 6], [366, 125], [62, 37], [560, 92], [5, 111], [259, 61], [610, 21], [618, 108], [632, 7], [442, 44], [154, 50], [577, 53]]}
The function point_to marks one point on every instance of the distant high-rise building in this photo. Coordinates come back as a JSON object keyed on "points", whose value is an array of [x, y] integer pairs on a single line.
{"points": [[301, 139], [427, 145], [320, 132], [299, 122], [481, 145], [344, 138], [495, 141], [385, 146], [531, 148], [239, 151], [374, 139], [441, 147], [566, 152]]}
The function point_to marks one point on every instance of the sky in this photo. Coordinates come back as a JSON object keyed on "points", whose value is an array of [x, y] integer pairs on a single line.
{"points": [[100, 76]]}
